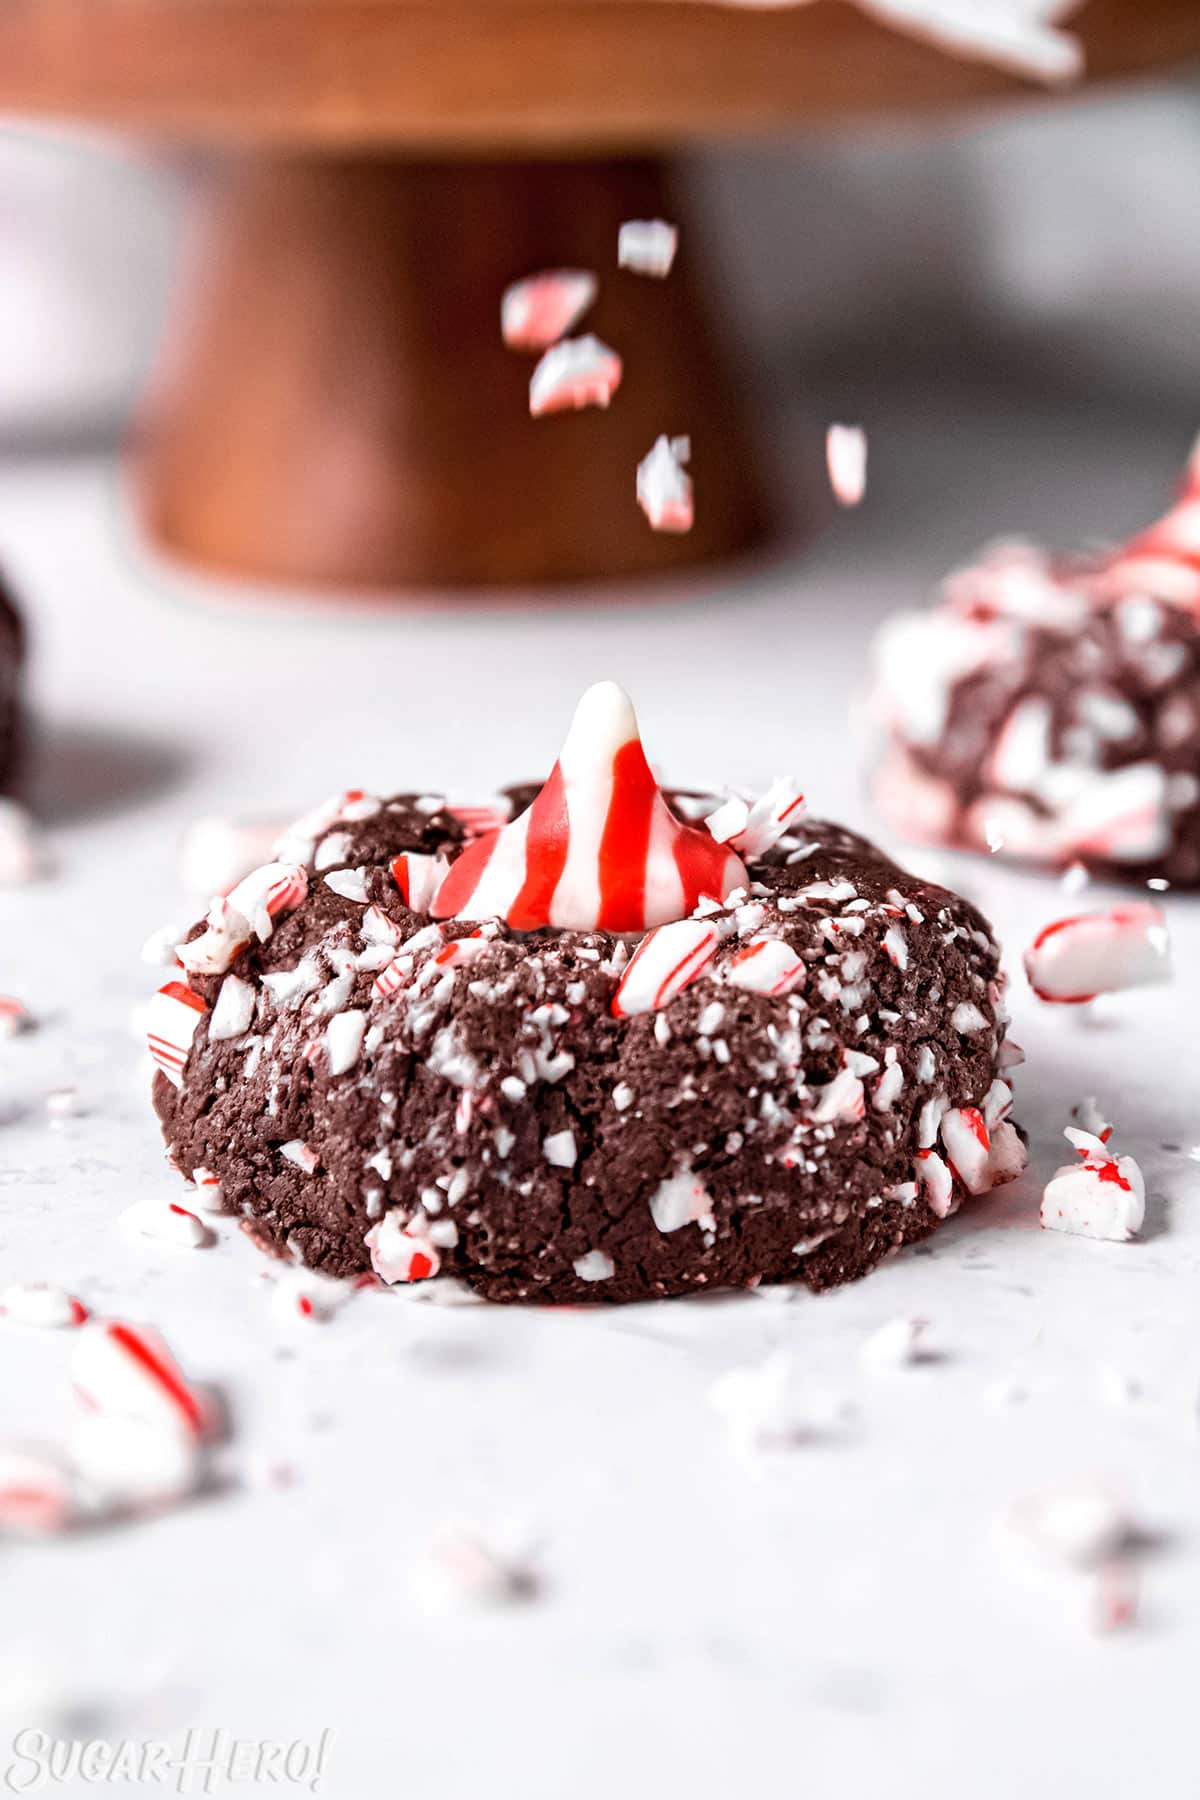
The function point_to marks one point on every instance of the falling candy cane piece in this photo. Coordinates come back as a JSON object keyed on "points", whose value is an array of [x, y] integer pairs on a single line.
{"points": [[304, 1297], [401, 1251], [536, 312], [1073, 960], [37, 1494], [41, 1303], [128, 1371], [172, 1224], [968, 1147], [664, 487], [843, 1100], [767, 966], [1100, 1197], [171, 1020], [647, 247], [418, 877], [578, 372], [598, 847], [663, 964], [846, 461], [478, 817]]}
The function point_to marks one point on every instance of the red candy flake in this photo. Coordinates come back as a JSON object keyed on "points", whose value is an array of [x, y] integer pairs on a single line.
{"points": [[664, 487], [171, 1020], [536, 312], [663, 965], [1072, 960], [598, 848], [418, 878], [402, 1252], [767, 966], [578, 372]]}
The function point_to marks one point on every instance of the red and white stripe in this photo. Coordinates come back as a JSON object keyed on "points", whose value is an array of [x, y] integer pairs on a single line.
{"points": [[647, 246], [577, 372], [171, 1020], [402, 1252], [1072, 960], [767, 966], [536, 312], [1163, 561], [599, 847], [663, 964], [418, 877], [129, 1371], [267, 893]]}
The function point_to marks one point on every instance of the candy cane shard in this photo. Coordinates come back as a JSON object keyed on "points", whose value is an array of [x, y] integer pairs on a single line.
{"points": [[43, 1304], [577, 372], [1164, 560], [402, 1250], [537, 311], [418, 877], [171, 1020], [128, 1371], [663, 964], [664, 487], [1072, 960], [1101, 1196], [268, 893], [225, 936], [753, 830], [598, 848], [647, 247], [172, 1224], [846, 461]]}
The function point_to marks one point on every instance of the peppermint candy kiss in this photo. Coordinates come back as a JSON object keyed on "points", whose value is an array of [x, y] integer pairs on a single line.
{"points": [[599, 847]]}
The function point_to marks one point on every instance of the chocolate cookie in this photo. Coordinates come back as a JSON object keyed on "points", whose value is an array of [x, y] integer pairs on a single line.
{"points": [[1052, 712], [583, 1046], [12, 652]]}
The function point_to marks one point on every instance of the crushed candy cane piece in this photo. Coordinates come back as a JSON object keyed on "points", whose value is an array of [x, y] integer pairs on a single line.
{"points": [[1087, 1115], [898, 1343], [599, 846], [647, 247], [402, 1250], [14, 1016], [664, 487], [574, 373], [343, 1040], [299, 1153], [210, 1195], [663, 964], [755, 1404], [37, 1492], [171, 1020], [132, 1465], [968, 1147], [1164, 560], [267, 893], [41, 1303], [846, 461], [1023, 36], [1072, 960], [765, 966], [537, 311], [233, 1009], [129, 1371], [172, 1224], [1102, 1196]]}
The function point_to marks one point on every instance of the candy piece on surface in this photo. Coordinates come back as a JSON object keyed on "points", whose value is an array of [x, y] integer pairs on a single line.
{"points": [[171, 1020], [647, 247], [37, 1493], [266, 894], [172, 1224], [577, 372], [41, 1303], [128, 1370], [1100, 1197], [663, 964], [1072, 960], [664, 487], [402, 1250], [755, 829], [306, 1297], [161, 948], [599, 847], [418, 877], [846, 461], [540, 309]]}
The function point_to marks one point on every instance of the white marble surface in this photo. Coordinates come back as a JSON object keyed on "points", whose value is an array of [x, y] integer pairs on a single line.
{"points": [[830, 1619]]}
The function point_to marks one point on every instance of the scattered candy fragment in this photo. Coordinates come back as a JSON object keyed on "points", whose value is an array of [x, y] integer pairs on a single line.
{"points": [[303, 1296], [267, 893], [41, 1303], [766, 966], [210, 1195], [1072, 960], [226, 934], [536, 312], [647, 246], [896, 1344], [1101, 1196], [598, 847], [846, 461], [576, 372], [664, 487], [663, 964], [418, 878], [128, 1371], [761, 1409], [172, 1224]]}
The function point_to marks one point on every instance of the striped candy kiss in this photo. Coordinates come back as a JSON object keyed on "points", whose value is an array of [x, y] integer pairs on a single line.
{"points": [[598, 848]]}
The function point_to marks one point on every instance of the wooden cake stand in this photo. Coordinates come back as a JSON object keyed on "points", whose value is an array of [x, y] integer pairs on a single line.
{"points": [[334, 404]]}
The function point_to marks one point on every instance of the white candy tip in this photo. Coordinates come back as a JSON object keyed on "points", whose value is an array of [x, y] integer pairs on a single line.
{"points": [[603, 717]]}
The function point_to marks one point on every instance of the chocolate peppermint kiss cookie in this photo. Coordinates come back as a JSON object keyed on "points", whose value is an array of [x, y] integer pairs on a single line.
{"points": [[596, 1043], [1051, 711]]}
